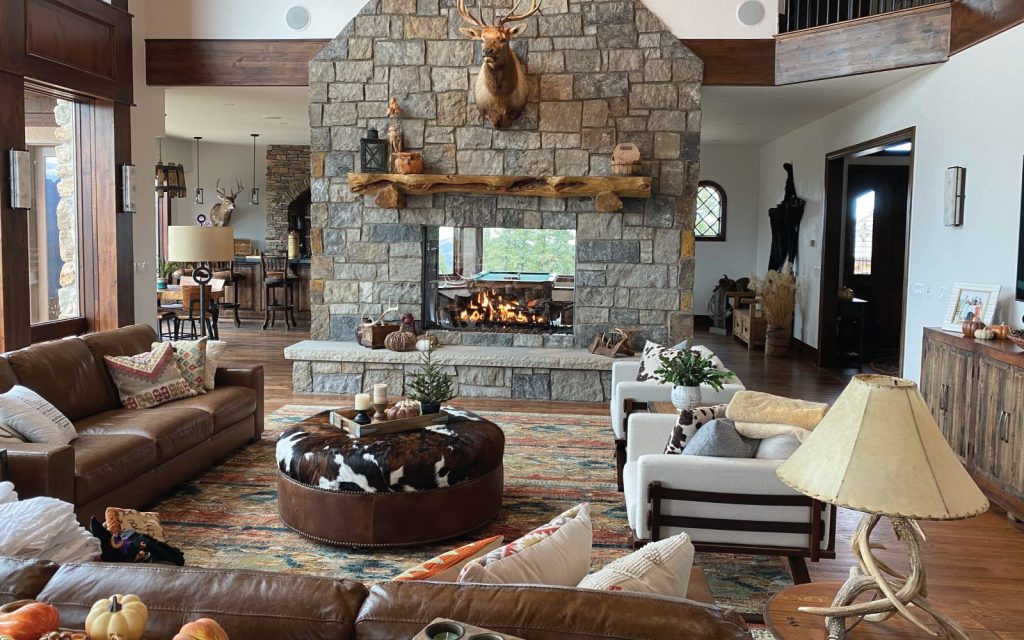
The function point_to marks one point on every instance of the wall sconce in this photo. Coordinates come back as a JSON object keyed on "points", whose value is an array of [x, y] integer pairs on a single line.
{"points": [[956, 184], [128, 188], [20, 170]]}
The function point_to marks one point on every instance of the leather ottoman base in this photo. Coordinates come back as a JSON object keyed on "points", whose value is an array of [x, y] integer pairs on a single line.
{"points": [[360, 519]]}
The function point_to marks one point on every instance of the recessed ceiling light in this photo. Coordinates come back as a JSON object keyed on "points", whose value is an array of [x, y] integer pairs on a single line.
{"points": [[751, 13], [297, 18]]}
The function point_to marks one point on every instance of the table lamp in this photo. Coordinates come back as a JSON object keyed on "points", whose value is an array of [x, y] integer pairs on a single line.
{"points": [[200, 246], [879, 451]]}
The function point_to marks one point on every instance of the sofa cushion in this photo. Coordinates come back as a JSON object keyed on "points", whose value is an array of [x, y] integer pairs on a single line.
{"points": [[7, 377], [248, 604], [126, 341], [227, 405], [105, 462], [22, 579], [174, 429], [66, 373]]}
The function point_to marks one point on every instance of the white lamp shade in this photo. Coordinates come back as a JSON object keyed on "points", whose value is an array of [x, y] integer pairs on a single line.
{"points": [[200, 244], [879, 450]]}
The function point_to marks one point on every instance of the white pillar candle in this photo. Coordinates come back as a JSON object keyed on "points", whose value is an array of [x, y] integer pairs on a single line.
{"points": [[380, 393], [362, 401]]}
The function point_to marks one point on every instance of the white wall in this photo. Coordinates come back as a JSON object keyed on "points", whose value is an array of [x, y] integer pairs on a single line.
{"points": [[967, 113], [736, 168], [227, 163], [715, 19]]}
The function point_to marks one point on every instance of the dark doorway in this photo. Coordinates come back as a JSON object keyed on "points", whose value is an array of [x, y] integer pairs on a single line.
{"points": [[865, 249]]}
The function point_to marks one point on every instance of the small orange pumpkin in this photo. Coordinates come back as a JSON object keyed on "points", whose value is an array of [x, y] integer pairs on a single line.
{"points": [[201, 629], [30, 621]]}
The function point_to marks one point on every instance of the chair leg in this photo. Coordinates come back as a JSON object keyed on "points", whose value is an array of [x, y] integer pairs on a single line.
{"points": [[266, 307], [798, 569]]}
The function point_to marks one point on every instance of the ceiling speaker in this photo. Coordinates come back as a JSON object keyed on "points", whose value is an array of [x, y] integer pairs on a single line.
{"points": [[750, 13], [297, 18]]}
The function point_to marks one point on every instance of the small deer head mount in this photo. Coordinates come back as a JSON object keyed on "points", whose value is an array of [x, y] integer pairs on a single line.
{"points": [[220, 214], [501, 87]]}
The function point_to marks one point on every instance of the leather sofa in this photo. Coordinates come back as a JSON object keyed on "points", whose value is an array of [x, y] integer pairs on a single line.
{"points": [[253, 604], [123, 457]]}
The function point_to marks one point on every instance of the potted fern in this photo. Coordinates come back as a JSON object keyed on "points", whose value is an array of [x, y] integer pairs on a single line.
{"points": [[431, 385], [688, 370]]}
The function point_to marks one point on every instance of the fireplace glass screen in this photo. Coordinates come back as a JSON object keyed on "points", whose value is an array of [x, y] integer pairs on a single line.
{"points": [[506, 280]]}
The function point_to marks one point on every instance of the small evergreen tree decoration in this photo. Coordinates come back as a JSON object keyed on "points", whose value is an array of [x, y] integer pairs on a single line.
{"points": [[431, 385]]}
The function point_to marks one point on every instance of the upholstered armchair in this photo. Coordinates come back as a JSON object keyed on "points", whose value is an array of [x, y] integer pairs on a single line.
{"points": [[726, 505], [629, 395]]}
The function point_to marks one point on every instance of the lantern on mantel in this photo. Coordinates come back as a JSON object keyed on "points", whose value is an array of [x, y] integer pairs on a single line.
{"points": [[373, 153]]}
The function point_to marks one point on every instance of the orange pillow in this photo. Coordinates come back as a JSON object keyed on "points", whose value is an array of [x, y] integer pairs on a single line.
{"points": [[446, 567]]}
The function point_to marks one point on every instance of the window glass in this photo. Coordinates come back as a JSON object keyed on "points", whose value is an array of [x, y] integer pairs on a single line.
{"points": [[533, 250], [54, 220], [864, 229], [710, 219]]}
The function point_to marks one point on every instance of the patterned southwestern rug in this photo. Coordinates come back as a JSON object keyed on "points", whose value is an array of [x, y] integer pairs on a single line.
{"points": [[227, 517]]}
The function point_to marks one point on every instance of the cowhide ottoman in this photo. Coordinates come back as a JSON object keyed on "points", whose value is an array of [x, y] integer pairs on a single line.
{"points": [[406, 488]]}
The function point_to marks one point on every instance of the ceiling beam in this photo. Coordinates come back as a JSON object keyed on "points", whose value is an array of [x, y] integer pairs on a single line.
{"points": [[230, 63], [975, 21], [748, 63]]}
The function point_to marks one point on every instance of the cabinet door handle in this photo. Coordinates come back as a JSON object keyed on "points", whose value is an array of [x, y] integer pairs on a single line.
{"points": [[1004, 431], [944, 398]]}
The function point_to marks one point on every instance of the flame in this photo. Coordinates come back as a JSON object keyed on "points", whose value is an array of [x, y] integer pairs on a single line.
{"points": [[494, 307]]}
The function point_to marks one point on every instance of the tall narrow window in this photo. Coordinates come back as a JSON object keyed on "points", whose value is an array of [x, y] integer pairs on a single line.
{"points": [[710, 219], [51, 132], [864, 229]]}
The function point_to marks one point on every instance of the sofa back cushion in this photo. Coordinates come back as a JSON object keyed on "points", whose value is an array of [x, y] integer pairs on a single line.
{"points": [[248, 604], [22, 579], [66, 373], [402, 609], [7, 377]]}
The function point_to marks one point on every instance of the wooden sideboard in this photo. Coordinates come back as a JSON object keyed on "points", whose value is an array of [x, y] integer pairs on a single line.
{"points": [[975, 390]]}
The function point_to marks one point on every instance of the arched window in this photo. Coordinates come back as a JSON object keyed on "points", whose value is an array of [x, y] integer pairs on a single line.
{"points": [[710, 218]]}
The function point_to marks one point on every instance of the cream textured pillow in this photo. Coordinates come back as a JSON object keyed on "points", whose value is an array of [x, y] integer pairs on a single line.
{"points": [[148, 379], [662, 568], [34, 418], [556, 554], [214, 350]]}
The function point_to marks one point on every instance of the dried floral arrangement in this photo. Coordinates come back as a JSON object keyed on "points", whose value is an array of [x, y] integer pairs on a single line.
{"points": [[777, 292]]}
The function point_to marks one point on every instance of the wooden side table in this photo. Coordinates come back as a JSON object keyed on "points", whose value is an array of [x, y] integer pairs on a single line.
{"points": [[786, 623]]}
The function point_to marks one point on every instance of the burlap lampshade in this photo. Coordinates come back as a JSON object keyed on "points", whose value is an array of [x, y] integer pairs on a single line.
{"points": [[879, 450]]}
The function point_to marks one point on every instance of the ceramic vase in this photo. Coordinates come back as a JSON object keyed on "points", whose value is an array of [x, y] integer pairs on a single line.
{"points": [[685, 397]]}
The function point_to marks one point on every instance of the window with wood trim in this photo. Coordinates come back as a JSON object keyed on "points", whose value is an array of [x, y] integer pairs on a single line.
{"points": [[709, 223]]}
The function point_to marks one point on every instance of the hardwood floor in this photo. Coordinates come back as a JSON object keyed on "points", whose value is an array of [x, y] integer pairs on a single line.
{"points": [[976, 566]]}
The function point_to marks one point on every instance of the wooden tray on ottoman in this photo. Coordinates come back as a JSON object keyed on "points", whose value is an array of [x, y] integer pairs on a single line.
{"points": [[465, 631], [344, 419]]}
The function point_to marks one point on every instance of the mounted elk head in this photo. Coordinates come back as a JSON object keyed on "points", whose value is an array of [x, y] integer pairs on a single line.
{"points": [[501, 87], [220, 214]]}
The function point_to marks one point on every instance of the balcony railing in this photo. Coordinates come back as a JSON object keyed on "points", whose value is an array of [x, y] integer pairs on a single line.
{"points": [[806, 14]]}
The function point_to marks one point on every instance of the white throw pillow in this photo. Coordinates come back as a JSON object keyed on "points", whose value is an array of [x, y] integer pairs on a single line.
{"points": [[777, 447], [34, 418], [214, 350], [661, 568], [556, 554]]}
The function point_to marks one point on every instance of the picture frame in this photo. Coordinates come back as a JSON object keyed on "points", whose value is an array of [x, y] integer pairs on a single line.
{"points": [[970, 300]]}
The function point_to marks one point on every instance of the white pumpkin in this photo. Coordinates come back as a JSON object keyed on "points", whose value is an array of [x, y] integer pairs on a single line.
{"points": [[985, 334], [117, 618], [424, 344]]}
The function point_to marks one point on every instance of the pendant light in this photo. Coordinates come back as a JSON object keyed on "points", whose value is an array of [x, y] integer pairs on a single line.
{"points": [[199, 190], [254, 197]]}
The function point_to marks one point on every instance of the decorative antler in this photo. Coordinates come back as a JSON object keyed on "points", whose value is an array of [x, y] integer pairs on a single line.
{"points": [[240, 190], [512, 17], [220, 192], [469, 17]]}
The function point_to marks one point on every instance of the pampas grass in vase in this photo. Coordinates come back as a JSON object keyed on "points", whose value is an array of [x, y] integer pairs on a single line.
{"points": [[777, 294]]}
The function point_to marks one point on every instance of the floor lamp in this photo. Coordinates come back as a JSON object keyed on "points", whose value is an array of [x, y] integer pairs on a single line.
{"points": [[200, 246]]}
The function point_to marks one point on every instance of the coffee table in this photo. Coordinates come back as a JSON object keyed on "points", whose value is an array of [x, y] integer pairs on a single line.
{"points": [[401, 489]]}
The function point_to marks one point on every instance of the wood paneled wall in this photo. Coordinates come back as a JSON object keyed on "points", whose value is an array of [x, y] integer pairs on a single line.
{"points": [[227, 63]]}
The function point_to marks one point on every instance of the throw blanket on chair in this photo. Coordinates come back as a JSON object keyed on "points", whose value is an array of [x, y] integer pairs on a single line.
{"points": [[762, 415]]}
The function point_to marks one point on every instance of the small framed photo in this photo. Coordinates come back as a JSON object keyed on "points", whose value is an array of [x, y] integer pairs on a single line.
{"points": [[968, 301]]}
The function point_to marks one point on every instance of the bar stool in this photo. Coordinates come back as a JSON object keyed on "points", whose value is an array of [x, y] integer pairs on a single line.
{"points": [[277, 278], [226, 271]]}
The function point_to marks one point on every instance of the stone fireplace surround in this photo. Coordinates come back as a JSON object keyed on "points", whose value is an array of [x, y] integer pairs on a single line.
{"points": [[601, 72]]}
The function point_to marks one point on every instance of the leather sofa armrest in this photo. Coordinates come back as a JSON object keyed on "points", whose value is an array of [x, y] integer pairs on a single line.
{"points": [[42, 470], [23, 578], [251, 377]]}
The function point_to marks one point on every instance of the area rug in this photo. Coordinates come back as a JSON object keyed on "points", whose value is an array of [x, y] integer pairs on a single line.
{"points": [[227, 517]]}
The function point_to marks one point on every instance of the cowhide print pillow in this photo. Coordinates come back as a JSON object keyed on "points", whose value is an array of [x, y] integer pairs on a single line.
{"points": [[650, 360], [689, 421]]}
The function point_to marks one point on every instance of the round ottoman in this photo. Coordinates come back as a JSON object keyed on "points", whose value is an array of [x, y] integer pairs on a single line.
{"points": [[407, 488]]}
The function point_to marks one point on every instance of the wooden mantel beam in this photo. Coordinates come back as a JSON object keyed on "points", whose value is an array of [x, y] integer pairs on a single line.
{"points": [[230, 63]]}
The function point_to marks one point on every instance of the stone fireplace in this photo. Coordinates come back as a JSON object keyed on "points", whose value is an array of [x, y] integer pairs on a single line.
{"points": [[601, 73], [288, 196]]}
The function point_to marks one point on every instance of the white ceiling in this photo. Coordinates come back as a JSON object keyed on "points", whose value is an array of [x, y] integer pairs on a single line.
{"points": [[227, 115], [756, 115]]}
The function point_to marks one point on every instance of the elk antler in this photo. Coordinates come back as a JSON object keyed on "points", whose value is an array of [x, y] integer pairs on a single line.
{"points": [[512, 17], [469, 17]]}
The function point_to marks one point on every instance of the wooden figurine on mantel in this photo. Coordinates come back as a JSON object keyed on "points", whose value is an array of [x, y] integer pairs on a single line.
{"points": [[626, 160], [617, 342]]}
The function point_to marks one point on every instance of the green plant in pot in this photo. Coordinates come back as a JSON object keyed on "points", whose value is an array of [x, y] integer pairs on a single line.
{"points": [[164, 273], [687, 371], [431, 386]]}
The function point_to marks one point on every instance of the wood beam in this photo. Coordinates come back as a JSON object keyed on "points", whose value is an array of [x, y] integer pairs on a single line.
{"points": [[975, 21], [14, 288], [736, 62], [230, 63]]}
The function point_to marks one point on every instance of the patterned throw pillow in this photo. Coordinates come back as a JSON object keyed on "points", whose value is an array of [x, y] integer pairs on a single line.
{"points": [[190, 357], [556, 554], [447, 566], [148, 379], [661, 568], [650, 360], [688, 422]]}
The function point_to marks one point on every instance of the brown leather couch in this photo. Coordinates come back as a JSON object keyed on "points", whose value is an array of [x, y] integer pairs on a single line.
{"points": [[123, 457], [253, 604]]}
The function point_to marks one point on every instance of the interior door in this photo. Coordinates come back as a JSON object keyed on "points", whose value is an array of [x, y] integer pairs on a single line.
{"points": [[875, 249]]}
